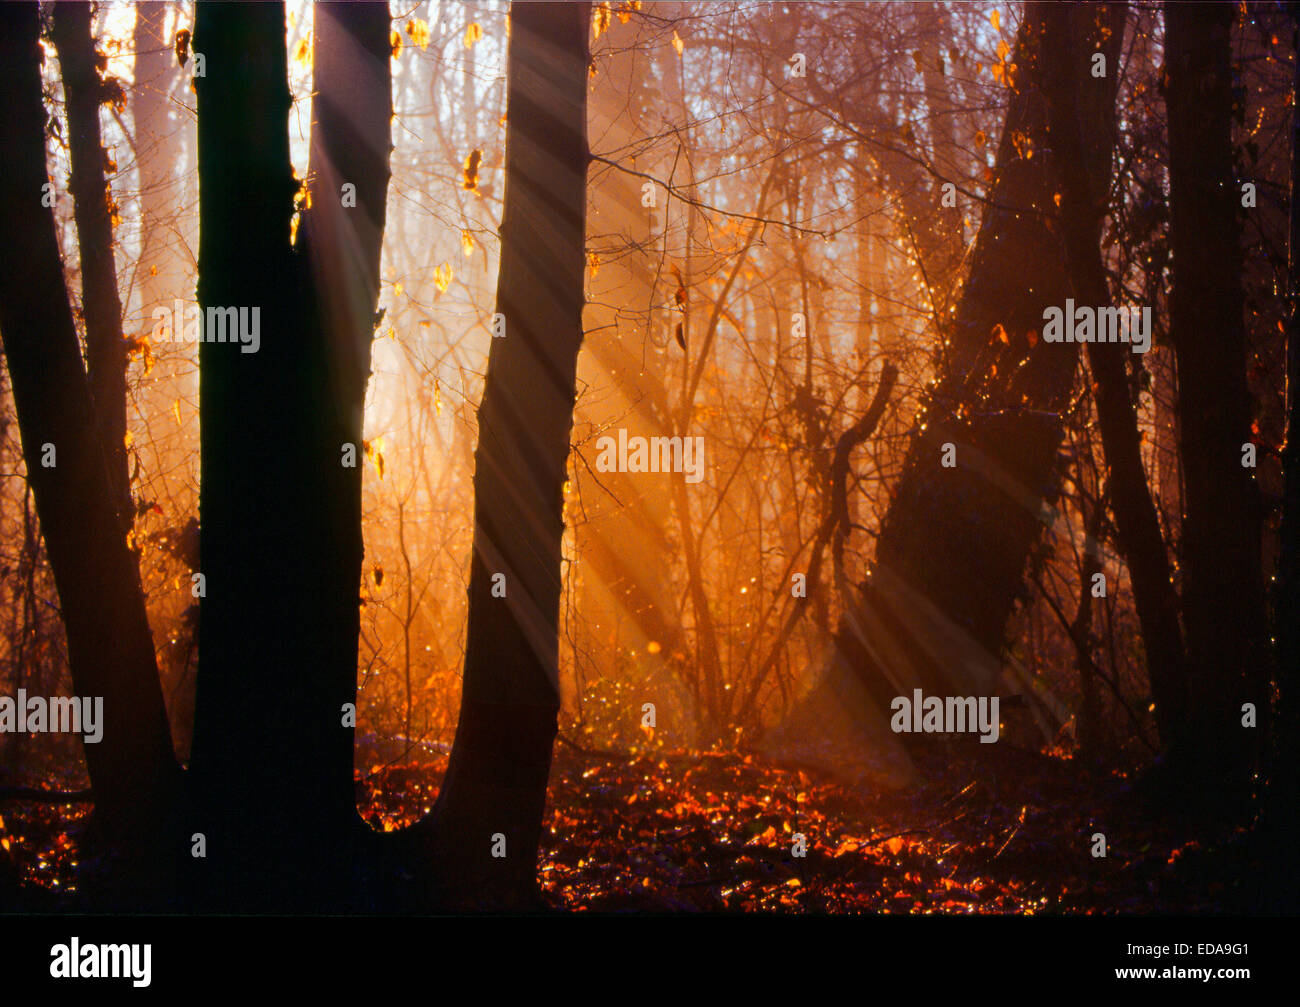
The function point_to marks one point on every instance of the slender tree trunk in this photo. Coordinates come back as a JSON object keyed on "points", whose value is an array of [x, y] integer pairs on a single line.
{"points": [[340, 244], [1169, 481], [84, 91], [1223, 593], [132, 770], [485, 829], [1083, 207]]}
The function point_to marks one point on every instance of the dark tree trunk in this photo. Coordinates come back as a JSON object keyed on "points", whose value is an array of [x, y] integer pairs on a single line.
{"points": [[272, 747], [953, 546], [84, 92], [132, 770], [1083, 207], [258, 712], [1223, 595], [340, 244], [495, 789]]}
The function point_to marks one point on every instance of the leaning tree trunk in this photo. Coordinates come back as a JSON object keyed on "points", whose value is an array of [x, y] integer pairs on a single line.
{"points": [[1083, 207], [953, 546], [110, 649], [1223, 595], [84, 90], [485, 828]]}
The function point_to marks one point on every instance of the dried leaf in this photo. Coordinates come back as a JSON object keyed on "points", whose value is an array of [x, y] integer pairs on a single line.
{"points": [[472, 163], [418, 29], [600, 19]]}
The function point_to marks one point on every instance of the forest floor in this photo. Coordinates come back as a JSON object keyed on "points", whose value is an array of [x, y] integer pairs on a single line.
{"points": [[1008, 831], [1005, 833]]}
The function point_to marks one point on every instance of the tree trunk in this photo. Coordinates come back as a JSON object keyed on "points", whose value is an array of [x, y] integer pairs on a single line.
{"points": [[495, 790], [340, 246], [953, 546], [84, 92], [281, 448], [1083, 207], [259, 714], [1223, 593], [132, 770]]}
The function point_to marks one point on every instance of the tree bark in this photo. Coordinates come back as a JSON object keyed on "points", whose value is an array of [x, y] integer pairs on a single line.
{"points": [[279, 622], [84, 91], [133, 769], [495, 789], [1223, 595], [951, 555], [1083, 207], [340, 248], [259, 712]]}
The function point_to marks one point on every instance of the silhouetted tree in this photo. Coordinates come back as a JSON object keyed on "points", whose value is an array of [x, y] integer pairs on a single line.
{"points": [[281, 536], [1083, 206], [495, 789], [1223, 591], [85, 89], [132, 770], [953, 545]]}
